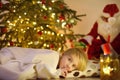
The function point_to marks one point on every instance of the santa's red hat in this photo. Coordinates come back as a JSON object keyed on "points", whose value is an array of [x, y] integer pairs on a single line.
{"points": [[110, 9]]}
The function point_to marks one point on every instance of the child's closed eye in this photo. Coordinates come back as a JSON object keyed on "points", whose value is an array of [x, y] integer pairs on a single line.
{"points": [[70, 59]]}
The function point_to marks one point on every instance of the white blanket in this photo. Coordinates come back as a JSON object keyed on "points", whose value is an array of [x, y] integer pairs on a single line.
{"points": [[27, 63]]}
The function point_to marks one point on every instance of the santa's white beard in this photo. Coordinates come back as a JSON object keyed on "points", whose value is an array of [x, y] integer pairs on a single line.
{"points": [[105, 29]]}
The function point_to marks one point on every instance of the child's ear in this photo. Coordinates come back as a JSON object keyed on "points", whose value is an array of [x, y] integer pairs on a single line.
{"points": [[61, 54]]}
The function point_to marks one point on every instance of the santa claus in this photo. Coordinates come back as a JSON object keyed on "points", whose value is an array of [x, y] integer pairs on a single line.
{"points": [[106, 29]]}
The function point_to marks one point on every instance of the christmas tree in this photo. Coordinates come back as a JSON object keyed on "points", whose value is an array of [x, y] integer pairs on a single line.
{"points": [[36, 23]]}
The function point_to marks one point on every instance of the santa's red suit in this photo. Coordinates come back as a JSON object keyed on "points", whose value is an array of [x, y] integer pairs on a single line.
{"points": [[106, 27]]}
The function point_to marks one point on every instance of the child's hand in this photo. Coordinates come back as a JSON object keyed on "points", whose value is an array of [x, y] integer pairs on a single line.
{"points": [[64, 72]]}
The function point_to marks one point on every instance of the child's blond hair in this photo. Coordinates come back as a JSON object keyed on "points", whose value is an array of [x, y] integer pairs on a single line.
{"points": [[79, 53]]}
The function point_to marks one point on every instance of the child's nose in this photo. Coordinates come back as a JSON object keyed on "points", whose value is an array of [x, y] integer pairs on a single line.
{"points": [[69, 66]]}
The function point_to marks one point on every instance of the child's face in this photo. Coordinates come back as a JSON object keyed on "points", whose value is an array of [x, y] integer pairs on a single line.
{"points": [[69, 62]]}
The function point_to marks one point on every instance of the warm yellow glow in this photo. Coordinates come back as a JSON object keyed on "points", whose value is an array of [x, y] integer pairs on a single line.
{"points": [[53, 1], [35, 28], [34, 23], [59, 49], [72, 21], [63, 24], [45, 32], [10, 24], [45, 45], [14, 24], [27, 22], [108, 59], [41, 38], [8, 44], [58, 34], [53, 33], [61, 35], [50, 8], [25, 13], [53, 15], [14, 39], [41, 27], [27, 27], [107, 70], [101, 60], [8, 21], [36, 42], [44, 7], [47, 25], [38, 2], [22, 29], [15, 21], [14, 10], [49, 32], [21, 21], [58, 20], [19, 16], [30, 43]]}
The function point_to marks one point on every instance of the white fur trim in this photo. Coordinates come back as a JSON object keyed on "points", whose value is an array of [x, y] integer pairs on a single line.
{"points": [[106, 14], [88, 39], [111, 20]]}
